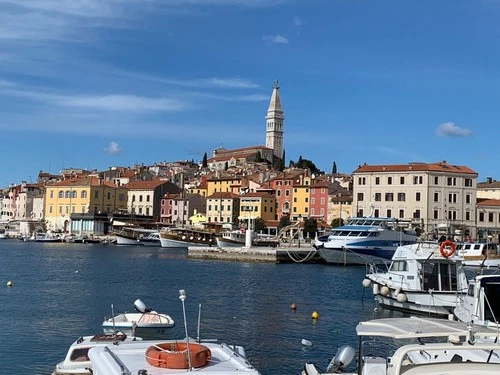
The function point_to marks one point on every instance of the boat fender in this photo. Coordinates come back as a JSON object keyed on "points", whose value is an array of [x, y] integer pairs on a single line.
{"points": [[367, 283], [402, 297], [183, 237], [397, 291], [375, 289], [385, 291]]}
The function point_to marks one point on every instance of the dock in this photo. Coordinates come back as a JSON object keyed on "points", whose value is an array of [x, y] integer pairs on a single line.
{"points": [[257, 254]]}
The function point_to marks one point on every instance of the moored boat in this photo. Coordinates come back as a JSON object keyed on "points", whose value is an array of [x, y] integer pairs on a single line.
{"points": [[185, 237], [479, 254]]}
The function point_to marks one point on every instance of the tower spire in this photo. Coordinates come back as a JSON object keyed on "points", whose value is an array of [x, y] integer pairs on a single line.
{"points": [[274, 123]]}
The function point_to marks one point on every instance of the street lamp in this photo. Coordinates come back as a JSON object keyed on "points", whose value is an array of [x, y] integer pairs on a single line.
{"points": [[182, 297]]}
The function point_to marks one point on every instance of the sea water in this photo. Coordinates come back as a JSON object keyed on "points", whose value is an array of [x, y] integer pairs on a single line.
{"points": [[61, 291]]}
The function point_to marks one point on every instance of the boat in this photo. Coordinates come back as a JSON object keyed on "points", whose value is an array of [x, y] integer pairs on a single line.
{"points": [[3, 235], [73, 238], [364, 239], [136, 236], [416, 345], [77, 362], [47, 237], [185, 237], [209, 357], [479, 254], [145, 323], [426, 277], [481, 304]]}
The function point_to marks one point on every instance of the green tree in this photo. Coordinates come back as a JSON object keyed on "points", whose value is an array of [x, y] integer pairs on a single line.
{"points": [[337, 222], [204, 163], [310, 227], [258, 157], [307, 164], [283, 158], [284, 222], [334, 168], [278, 165], [259, 224]]}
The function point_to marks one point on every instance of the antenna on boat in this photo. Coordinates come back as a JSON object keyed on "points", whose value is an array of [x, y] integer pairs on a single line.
{"points": [[182, 297], [113, 315], [199, 322]]}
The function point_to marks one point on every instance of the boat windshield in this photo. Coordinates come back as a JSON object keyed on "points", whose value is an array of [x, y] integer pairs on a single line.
{"points": [[80, 355]]}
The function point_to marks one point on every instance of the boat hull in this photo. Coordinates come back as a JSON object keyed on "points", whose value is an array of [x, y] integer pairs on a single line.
{"points": [[354, 256], [121, 240]]}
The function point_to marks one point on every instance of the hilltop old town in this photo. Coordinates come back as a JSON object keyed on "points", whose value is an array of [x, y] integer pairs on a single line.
{"points": [[231, 187]]}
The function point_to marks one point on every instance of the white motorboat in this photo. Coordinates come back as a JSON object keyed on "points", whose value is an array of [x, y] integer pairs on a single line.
{"points": [[145, 323], [137, 237], [47, 237], [425, 277], [150, 239], [3, 235], [186, 237], [479, 254], [481, 305], [77, 361], [422, 346], [364, 239]]}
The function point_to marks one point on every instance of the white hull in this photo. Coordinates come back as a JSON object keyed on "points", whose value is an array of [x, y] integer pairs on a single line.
{"points": [[176, 243], [120, 240], [3, 236], [441, 304]]}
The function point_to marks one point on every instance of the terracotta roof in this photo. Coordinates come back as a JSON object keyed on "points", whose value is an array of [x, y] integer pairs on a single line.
{"points": [[86, 181], [223, 195], [259, 194], [144, 185], [417, 167], [489, 185], [488, 202]]}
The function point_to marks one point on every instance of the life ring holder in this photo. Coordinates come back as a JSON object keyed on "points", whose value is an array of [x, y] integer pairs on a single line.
{"points": [[447, 248], [174, 355]]}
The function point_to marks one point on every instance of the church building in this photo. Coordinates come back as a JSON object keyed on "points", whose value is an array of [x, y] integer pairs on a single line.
{"points": [[274, 140]]}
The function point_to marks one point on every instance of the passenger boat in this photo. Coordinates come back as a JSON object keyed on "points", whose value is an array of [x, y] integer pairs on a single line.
{"points": [[481, 305], [417, 346], [479, 254], [425, 277], [47, 237], [77, 361], [185, 237], [145, 323], [137, 237], [363, 239]]}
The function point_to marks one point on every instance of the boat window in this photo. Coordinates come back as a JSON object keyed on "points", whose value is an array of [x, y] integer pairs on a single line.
{"points": [[80, 355], [477, 247], [470, 291], [431, 276], [399, 265], [448, 276], [491, 291], [467, 246]]}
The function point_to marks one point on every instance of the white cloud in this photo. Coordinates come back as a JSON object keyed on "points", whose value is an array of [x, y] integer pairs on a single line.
{"points": [[113, 148], [449, 129], [228, 83], [276, 39], [297, 21]]}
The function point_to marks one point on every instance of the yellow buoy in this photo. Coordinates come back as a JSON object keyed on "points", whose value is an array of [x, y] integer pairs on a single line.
{"points": [[314, 315], [293, 306], [9, 283]]}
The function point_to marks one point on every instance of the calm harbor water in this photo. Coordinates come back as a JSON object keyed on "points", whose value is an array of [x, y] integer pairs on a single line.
{"points": [[61, 291]]}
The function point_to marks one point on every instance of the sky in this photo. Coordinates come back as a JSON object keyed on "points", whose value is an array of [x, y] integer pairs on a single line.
{"points": [[94, 84]]}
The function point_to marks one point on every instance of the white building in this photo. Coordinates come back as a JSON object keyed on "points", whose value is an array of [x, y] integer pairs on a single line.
{"points": [[430, 195]]}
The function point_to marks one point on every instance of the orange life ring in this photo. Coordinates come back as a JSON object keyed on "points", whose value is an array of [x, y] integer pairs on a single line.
{"points": [[447, 248], [175, 355]]}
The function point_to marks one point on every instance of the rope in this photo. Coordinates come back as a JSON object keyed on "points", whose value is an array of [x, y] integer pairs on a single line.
{"points": [[297, 259]]}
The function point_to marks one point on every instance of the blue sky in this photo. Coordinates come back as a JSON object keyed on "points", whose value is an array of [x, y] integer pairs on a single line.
{"points": [[101, 83]]}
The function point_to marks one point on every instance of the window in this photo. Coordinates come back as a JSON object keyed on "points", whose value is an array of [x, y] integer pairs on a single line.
{"points": [[376, 212], [96, 194], [73, 194], [306, 199], [416, 214], [52, 193], [417, 197], [452, 198], [481, 216], [67, 194], [389, 197], [490, 217], [322, 201], [50, 209], [402, 180], [377, 180], [467, 215], [313, 200], [468, 182], [140, 198], [436, 214], [417, 180], [61, 194], [451, 181], [401, 214], [294, 199], [147, 210], [399, 266], [389, 213], [287, 192], [436, 197], [467, 198], [278, 193], [378, 197], [121, 197], [360, 196], [401, 197], [109, 195], [389, 180], [436, 180]]}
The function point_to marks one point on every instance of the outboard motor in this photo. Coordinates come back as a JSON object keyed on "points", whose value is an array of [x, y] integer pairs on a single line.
{"points": [[343, 358], [141, 307]]}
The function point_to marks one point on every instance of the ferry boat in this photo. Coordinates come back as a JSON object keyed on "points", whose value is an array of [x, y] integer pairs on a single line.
{"points": [[426, 277], [364, 239], [479, 254]]}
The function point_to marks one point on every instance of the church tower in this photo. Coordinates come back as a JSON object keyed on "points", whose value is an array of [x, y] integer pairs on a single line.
{"points": [[274, 123]]}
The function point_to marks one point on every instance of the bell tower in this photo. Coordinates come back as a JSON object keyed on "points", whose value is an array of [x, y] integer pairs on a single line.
{"points": [[274, 123]]}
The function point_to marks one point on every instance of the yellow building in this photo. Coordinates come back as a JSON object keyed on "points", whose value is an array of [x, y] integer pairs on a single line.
{"points": [[83, 195], [257, 205], [223, 207], [223, 184], [201, 189], [300, 198]]}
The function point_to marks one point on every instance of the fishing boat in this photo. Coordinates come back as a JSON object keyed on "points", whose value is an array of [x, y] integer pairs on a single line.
{"points": [[185, 237], [364, 239], [425, 277], [77, 362], [481, 304], [145, 323], [416, 346], [479, 254]]}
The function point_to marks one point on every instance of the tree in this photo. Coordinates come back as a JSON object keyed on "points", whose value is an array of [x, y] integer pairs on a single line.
{"points": [[259, 224], [283, 158], [307, 164], [337, 222], [284, 222], [258, 157], [310, 227], [334, 168], [278, 165], [204, 163]]}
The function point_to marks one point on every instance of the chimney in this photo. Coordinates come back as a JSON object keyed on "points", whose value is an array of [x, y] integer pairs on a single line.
{"points": [[489, 180]]}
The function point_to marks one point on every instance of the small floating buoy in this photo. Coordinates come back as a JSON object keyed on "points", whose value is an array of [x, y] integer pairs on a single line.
{"points": [[306, 342], [9, 283], [76, 271], [314, 315], [293, 306]]}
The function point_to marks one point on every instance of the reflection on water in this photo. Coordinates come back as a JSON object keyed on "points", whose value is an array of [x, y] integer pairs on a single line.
{"points": [[62, 291]]}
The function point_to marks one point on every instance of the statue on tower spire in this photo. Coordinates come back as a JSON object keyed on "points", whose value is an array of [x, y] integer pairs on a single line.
{"points": [[275, 84]]}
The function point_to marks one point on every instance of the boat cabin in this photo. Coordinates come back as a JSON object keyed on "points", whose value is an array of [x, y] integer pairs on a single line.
{"points": [[481, 304]]}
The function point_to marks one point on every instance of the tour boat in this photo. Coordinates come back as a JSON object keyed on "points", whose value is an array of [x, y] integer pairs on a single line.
{"points": [[417, 346], [479, 254], [145, 323], [77, 361], [364, 239], [137, 237], [185, 237], [425, 277]]}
